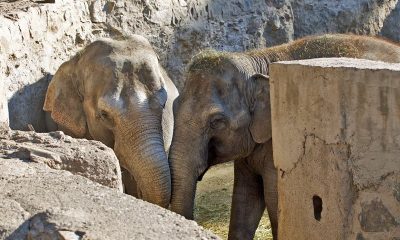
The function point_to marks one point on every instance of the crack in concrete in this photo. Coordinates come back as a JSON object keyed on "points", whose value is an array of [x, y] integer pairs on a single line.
{"points": [[302, 156]]}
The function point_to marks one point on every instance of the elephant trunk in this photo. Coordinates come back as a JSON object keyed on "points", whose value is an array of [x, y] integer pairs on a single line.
{"points": [[139, 146], [187, 162]]}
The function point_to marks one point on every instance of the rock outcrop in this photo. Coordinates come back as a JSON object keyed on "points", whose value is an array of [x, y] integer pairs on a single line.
{"points": [[39, 200], [360, 17], [90, 159], [35, 41]]}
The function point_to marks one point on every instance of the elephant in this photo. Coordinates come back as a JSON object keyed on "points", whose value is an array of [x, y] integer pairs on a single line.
{"points": [[115, 91], [224, 113]]}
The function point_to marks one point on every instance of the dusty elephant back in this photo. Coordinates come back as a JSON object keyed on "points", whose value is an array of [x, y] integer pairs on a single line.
{"points": [[333, 45]]}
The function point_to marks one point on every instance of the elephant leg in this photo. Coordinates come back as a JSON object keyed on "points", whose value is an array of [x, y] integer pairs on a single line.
{"points": [[270, 178], [130, 186], [247, 202]]}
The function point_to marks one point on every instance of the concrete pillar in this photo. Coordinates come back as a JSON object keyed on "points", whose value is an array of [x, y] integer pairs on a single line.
{"points": [[336, 143]]}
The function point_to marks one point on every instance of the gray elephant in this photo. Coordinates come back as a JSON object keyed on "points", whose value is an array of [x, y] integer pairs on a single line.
{"points": [[116, 92], [223, 114]]}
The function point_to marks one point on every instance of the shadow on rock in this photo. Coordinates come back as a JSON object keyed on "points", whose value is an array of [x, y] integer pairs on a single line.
{"points": [[25, 106], [40, 226], [391, 26]]}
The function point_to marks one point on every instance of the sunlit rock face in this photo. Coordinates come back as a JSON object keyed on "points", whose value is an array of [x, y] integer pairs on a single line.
{"points": [[36, 40]]}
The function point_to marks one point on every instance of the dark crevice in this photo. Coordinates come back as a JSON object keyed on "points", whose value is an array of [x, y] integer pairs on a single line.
{"points": [[317, 203]]}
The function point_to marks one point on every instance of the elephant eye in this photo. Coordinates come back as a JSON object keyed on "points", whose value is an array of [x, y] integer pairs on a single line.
{"points": [[103, 115], [218, 122], [162, 97]]}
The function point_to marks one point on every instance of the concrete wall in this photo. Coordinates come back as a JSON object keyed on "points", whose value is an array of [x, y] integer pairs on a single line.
{"points": [[336, 138]]}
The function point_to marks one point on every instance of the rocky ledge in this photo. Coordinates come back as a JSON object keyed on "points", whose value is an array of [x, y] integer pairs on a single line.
{"points": [[40, 199]]}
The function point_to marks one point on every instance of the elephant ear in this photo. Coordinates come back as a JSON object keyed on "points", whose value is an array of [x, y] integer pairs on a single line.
{"points": [[260, 126], [64, 101]]}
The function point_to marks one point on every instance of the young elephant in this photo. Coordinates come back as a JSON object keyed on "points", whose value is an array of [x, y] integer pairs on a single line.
{"points": [[223, 114], [116, 92]]}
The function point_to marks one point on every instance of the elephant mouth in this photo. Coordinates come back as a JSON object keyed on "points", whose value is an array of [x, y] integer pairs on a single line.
{"points": [[214, 156]]}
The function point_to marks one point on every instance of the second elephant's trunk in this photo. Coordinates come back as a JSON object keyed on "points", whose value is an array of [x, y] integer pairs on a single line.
{"points": [[187, 160], [140, 148]]}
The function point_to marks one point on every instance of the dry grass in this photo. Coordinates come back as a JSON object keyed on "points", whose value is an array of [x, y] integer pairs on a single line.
{"points": [[213, 202]]}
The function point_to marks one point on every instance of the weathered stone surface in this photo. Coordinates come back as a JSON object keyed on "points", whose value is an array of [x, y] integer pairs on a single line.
{"points": [[3, 104], [90, 159], [336, 144], [37, 202], [34, 42], [22, 114], [361, 17]]}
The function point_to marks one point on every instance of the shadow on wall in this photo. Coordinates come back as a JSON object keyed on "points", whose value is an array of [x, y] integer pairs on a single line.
{"points": [[365, 17], [26, 106], [391, 26]]}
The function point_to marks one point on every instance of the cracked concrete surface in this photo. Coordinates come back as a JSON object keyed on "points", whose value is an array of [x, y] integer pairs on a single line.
{"points": [[335, 138]]}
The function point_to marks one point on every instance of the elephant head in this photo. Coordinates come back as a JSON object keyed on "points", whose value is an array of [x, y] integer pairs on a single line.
{"points": [[117, 92], [222, 113]]}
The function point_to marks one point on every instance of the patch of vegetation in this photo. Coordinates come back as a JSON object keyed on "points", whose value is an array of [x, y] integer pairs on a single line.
{"points": [[213, 203]]}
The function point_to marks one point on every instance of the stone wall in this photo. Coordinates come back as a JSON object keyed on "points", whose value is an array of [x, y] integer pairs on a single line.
{"points": [[360, 17], [35, 41], [336, 142]]}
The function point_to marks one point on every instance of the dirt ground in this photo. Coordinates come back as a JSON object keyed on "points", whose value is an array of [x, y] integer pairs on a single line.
{"points": [[213, 202]]}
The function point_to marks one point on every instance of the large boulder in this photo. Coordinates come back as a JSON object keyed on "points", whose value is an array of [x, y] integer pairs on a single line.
{"points": [[90, 159], [41, 200], [38, 202]]}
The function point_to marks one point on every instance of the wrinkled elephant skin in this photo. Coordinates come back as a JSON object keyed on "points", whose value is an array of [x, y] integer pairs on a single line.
{"points": [[224, 113], [116, 92]]}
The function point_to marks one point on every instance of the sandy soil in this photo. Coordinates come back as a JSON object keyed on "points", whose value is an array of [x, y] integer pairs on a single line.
{"points": [[213, 202]]}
